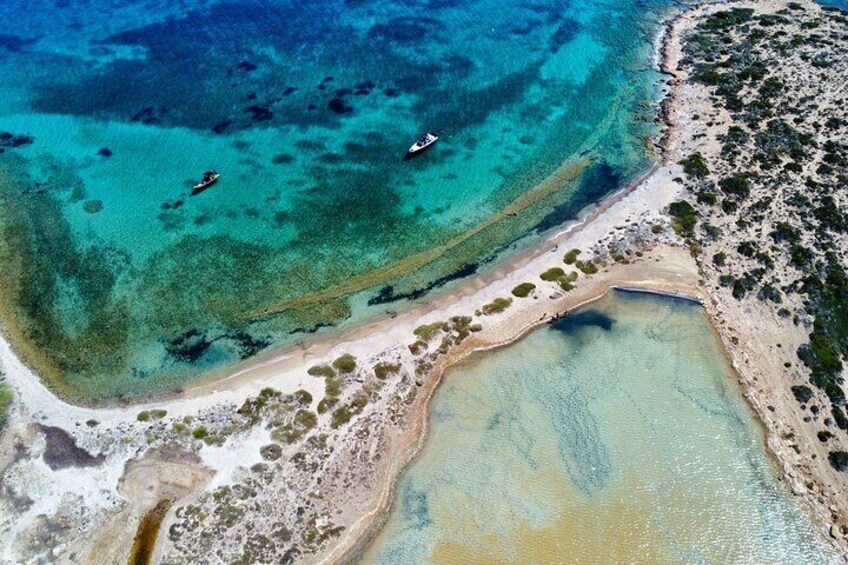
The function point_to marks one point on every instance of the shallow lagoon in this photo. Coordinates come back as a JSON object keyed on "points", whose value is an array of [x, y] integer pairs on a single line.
{"points": [[616, 435], [127, 286]]}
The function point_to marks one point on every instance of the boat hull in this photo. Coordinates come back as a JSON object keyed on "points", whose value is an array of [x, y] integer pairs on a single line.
{"points": [[412, 154], [201, 187]]}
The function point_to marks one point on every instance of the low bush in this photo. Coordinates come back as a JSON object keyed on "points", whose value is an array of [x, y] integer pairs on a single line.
{"points": [[305, 419], [427, 332], [587, 267], [341, 417], [552, 274], [326, 403], [345, 364], [384, 369], [695, 166], [684, 216], [523, 290], [497, 306], [271, 452], [322, 371], [418, 347], [571, 256], [838, 460], [303, 397]]}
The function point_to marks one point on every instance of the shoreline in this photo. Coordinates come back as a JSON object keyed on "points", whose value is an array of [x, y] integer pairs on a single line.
{"points": [[311, 344], [381, 515], [319, 345]]}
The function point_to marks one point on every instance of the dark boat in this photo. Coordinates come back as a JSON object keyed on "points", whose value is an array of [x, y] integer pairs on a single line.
{"points": [[209, 178], [424, 143]]}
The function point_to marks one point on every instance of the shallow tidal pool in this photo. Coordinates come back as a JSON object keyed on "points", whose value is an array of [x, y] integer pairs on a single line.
{"points": [[617, 435]]}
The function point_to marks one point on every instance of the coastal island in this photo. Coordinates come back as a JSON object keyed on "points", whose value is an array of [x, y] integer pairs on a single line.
{"points": [[295, 455]]}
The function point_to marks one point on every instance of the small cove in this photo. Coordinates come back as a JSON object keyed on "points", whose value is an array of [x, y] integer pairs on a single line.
{"points": [[616, 435]]}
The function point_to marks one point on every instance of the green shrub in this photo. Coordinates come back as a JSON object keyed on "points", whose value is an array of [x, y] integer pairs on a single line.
{"points": [[460, 325], [802, 393], [746, 249], [821, 355], [5, 403], [418, 347], [706, 197], [333, 386], [587, 267], [322, 371], [303, 397], [305, 419], [326, 403], [384, 369], [739, 289], [359, 402], [459, 322], [523, 290], [341, 417], [428, 331], [684, 216], [552, 274], [839, 417], [571, 256], [726, 19], [497, 306], [783, 231], [838, 460], [271, 452], [695, 166], [738, 185], [143, 416], [200, 432], [345, 364]]}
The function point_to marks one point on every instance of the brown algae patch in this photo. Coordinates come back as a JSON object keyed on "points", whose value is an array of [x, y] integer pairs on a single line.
{"points": [[148, 531], [569, 172]]}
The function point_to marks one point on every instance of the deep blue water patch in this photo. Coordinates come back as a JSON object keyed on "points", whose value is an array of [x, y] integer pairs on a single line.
{"points": [[841, 4], [573, 323], [600, 180], [11, 140], [564, 34], [16, 43], [387, 294]]}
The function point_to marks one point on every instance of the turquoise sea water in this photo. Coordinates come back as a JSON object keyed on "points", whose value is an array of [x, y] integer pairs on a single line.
{"points": [[618, 435], [126, 285]]}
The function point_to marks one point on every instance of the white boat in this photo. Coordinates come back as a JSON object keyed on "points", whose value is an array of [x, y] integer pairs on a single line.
{"points": [[424, 142], [209, 178]]}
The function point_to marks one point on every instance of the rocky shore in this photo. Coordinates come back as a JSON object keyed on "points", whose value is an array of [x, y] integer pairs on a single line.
{"points": [[765, 166]]}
